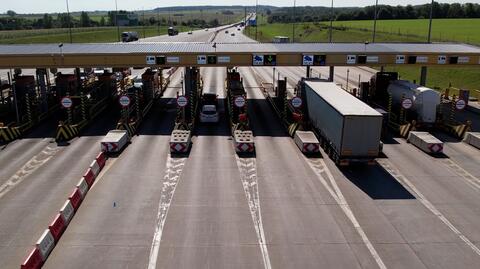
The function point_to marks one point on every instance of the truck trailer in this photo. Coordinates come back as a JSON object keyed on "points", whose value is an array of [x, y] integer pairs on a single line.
{"points": [[348, 129]]}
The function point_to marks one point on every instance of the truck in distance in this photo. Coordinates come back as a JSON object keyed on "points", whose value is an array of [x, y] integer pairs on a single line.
{"points": [[129, 36]]}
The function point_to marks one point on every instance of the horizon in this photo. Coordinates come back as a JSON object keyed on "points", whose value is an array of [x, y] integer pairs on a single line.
{"points": [[59, 6]]}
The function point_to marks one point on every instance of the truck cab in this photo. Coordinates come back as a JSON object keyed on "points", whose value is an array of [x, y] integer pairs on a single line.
{"points": [[172, 31]]}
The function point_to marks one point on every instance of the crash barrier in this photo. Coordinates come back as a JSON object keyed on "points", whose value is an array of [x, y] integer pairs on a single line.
{"points": [[45, 244]]}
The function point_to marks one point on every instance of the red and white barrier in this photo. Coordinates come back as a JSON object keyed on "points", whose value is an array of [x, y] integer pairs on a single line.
{"points": [[75, 198], [89, 177], [50, 236], [82, 187], [95, 168], [45, 244], [101, 159], [67, 212], [33, 261], [57, 227]]}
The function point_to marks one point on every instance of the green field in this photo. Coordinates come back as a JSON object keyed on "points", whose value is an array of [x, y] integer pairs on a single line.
{"points": [[458, 30], [79, 35]]}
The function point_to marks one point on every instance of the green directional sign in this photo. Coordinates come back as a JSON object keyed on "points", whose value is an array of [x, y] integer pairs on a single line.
{"points": [[211, 59], [270, 59], [319, 60], [160, 60]]}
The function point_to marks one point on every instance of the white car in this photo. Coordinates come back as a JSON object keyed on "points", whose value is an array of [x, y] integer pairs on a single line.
{"points": [[189, 32], [209, 114]]}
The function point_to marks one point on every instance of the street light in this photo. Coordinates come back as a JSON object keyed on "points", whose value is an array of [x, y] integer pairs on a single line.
{"points": [[69, 22], [116, 21], [430, 25], [256, 19], [331, 22], [375, 22], [293, 26]]}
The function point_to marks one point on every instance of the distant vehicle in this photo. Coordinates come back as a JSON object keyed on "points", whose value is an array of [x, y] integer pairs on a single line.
{"points": [[206, 29], [189, 32], [226, 31], [281, 39], [209, 114], [172, 31], [242, 24], [238, 29], [129, 36], [209, 111], [233, 34]]}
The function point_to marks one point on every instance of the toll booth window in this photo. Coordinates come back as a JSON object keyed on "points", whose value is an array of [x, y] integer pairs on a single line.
{"points": [[412, 59], [362, 59], [453, 60]]}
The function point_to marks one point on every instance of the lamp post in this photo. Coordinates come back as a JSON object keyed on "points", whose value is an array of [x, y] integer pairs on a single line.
{"points": [[430, 24], [293, 26], [331, 23], [375, 22], [116, 21], [69, 22]]}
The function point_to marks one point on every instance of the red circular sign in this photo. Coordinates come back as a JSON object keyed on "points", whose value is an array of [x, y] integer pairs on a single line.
{"points": [[182, 101], [239, 101], [407, 103], [460, 104], [124, 100]]}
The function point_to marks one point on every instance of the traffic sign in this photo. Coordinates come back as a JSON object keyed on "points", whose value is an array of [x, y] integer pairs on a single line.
{"points": [[124, 100], [296, 102], [258, 59], [67, 102], [319, 60], [307, 60], [239, 101], [407, 103], [460, 104], [212, 59], [182, 101], [270, 59]]}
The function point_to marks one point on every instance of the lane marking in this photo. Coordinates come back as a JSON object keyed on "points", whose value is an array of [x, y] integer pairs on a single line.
{"points": [[318, 166], [172, 176], [28, 168], [457, 169], [388, 166], [248, 175]]}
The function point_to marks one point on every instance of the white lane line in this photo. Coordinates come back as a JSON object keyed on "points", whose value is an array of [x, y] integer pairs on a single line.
{"points": [[170, 182], [388, 166], [248, 174], [474, 181], [27, 169], [319, 167]]}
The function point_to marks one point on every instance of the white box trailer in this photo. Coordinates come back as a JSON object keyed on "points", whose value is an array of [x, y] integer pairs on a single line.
{"points": [[307, 142], [114, 141], [472, 138], [426, 142], [349, 130]]}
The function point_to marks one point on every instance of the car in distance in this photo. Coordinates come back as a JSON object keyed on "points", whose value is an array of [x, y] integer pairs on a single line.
{"points": [[209, 113], [129, 36]]}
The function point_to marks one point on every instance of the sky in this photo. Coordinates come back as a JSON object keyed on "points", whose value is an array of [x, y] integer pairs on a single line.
{"points": [[51, 6]]}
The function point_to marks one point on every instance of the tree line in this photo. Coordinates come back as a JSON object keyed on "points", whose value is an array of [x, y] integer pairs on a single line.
{"points": [[384, 12], [14, 21]]}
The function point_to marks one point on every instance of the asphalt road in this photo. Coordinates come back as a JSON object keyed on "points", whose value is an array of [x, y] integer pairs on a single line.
{"points": [[278, 209]]}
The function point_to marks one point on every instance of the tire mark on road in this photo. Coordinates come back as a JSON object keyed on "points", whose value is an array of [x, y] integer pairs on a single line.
{"points": [[172, 176], [31, 166], [321, 170], [406, 183], [248, 174]]}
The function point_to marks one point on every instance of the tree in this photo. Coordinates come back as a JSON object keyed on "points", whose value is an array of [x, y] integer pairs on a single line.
{"points": [[84, 19], [470, 10], [455, 11], [11, 13], [47, 21], [102, 21]]}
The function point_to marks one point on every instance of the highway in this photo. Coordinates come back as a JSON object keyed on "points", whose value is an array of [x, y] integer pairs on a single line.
{"points": [[212, 209]]}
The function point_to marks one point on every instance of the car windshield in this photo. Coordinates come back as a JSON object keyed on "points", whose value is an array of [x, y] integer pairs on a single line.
{"points": [[208, 112]]}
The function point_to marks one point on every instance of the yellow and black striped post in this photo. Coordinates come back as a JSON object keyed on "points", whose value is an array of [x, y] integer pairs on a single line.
{"points": [[402, 110], [137, 105], [83, 105], [452, 110], [390, 107], [285, 105]]}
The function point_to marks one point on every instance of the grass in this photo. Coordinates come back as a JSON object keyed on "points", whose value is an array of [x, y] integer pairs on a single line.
{"points": [[459, 30], [79, 35]]}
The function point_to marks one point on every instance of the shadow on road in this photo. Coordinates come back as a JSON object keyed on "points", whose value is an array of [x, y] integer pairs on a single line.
{"points": [[376, 182]]}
